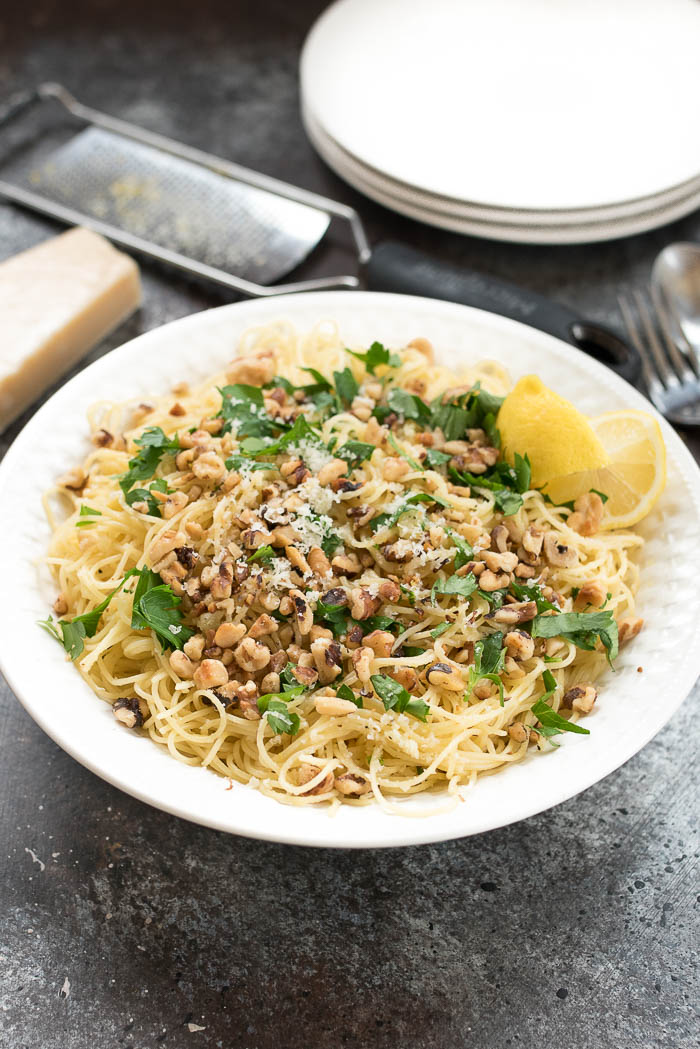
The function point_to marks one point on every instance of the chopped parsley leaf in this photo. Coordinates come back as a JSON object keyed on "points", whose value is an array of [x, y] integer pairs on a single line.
{"points": [[463, 586], [465, 553], [395, 697], [263, 553], [243, 407], [157, 608], [71, 633], [581, 628], [153, 445], [489, 660], [434, 458], [86, 516], [376, 355], [354, 452], [346, 386], [345, 692]]}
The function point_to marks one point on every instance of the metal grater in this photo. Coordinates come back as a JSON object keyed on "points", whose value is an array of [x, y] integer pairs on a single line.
{"points": [[204, 215]]}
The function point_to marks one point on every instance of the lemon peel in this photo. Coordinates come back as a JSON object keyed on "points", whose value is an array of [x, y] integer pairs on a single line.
{"points": [[558, 439]]}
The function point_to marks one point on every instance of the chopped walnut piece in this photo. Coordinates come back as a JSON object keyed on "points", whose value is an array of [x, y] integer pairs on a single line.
{"points": [[558, 554], [580, 698], [628, 628], [251, 655], [254, 369], [130, 712], [588, 514], [349, 783], [591, 593], [210, 674], [306, 773]]}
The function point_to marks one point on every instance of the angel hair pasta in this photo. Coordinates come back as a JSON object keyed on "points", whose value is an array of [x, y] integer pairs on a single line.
{"points": [[315, 574]]}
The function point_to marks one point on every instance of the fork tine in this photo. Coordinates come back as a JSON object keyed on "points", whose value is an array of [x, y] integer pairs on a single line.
{"points": [[666, 373], [651, 378], [684, 371]]}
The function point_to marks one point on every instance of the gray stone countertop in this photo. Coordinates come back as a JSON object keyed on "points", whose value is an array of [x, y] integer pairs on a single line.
{"points": [[571, 930]]}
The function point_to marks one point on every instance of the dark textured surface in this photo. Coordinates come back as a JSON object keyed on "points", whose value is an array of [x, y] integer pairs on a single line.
{"points": [[575, 929]]}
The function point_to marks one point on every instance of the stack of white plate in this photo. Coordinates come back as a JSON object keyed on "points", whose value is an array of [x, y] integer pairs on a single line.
{"points": [[538, 121]]}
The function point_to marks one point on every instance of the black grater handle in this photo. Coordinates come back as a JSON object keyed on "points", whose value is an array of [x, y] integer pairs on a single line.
{"points": [[398, 268]]}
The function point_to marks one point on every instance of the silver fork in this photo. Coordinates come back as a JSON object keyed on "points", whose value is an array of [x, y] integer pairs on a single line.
{"points": [[672, 383]]}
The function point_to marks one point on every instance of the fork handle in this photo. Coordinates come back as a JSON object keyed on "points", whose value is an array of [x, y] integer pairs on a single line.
{"points": [[397, 268]]}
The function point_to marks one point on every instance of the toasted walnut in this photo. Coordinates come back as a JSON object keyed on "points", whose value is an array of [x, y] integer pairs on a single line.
{"points": [[362, 408], [484, 689], [400, 552], [297, 560], [423, 346], [499, 538], [263, 626], [381, 642], [346, 564], [591, 593], [363, 604], [442, 675], [389, 590], [518, 612], [498, 562], [222, 583], [405, 676], [164, 544], [302, 611], [60, 605], [491, 581], [307, 773], [532, 541], [102, 438], [558, 554], [255, 537], [580, 698], [251, 655], [75, 480], [174, 503], [182, 665], [130, 712], [519, 644], [393, 468], [334, 707], [210, 674], [348, 783], [628, 628], [318, 562], [327, 657], [270, 683], [362, 661], [253, 369], [195, 647], [229, 634], [588, 514], [247, 696], [332, 471], [525, 572], [518, 732], [305, 675]]}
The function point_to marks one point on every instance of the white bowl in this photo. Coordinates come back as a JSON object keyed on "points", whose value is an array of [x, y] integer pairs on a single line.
{"points": [[632, 708]]}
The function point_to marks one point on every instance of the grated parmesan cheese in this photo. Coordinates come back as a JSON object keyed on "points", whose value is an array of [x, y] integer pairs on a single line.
{"points": [[313, 456]]}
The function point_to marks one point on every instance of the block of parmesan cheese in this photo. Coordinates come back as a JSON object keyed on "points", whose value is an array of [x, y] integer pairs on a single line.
{"points": [[57, 301]]}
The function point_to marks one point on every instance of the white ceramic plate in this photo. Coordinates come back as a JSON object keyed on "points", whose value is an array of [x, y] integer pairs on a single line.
{"points": [[632, 708], [522, 228], [535, 105]]}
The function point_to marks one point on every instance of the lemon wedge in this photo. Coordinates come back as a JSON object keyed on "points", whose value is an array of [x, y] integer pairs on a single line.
{"points": [[635, 475], [558, 439], [620, 454]]}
